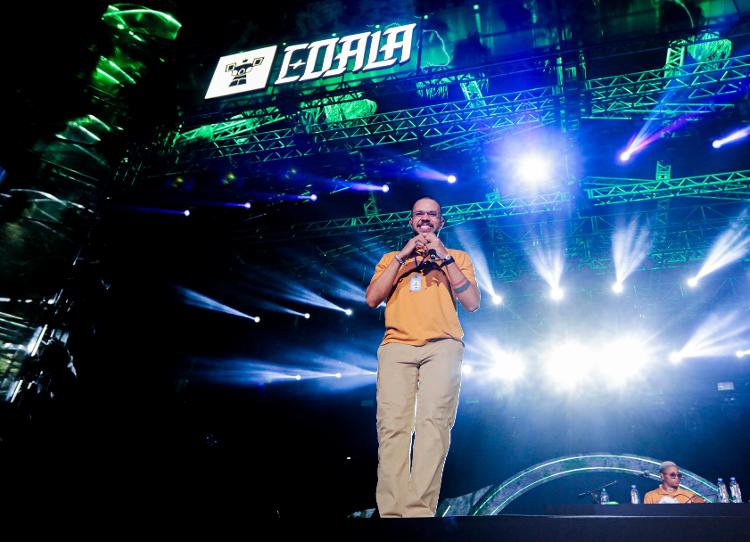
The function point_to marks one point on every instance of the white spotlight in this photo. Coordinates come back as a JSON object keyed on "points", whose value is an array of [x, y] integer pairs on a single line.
{"points": [[625, 156], [466, 369], [534, 169], [186, 212], [676, 357], [338, 375], [497, 299], [621, 360], [452, 179], [740, 353], [568, 365], [348, 312], [257, 319], [247, 205], [507, 366], [732, 245], [306, 315], [314, 197], [298, 377], [385, 188], [556, 293], [618, 288], [716, 143], [692, 282]]}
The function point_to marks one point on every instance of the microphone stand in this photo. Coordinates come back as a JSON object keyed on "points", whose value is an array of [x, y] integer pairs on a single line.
{"points": [[595, 492]]}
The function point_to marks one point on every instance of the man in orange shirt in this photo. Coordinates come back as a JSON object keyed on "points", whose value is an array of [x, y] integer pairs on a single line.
{"points": [[419, 362], [669, 491]]}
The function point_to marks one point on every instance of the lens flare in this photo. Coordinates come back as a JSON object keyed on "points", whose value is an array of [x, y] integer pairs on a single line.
{"points": [[569, 365], [534, 169], [507, 366], [556, 294]]}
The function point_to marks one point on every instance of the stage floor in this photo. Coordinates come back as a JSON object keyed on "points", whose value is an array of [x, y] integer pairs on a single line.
{"points": [[578, 528]]}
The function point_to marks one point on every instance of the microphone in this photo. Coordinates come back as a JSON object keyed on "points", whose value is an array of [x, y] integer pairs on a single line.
{"points": [[596, 490]]}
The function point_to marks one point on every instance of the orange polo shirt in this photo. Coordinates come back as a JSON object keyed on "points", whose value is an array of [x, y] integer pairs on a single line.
{"points": [[424, 308], [681, 495]]}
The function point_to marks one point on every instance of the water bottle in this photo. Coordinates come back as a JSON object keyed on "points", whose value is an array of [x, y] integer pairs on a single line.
{"points": [[723, 495], [634, 497], [604, 497], [734, 490]]}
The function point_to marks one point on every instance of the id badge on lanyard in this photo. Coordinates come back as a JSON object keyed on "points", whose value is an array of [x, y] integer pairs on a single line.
{"points": [[415, 282]]}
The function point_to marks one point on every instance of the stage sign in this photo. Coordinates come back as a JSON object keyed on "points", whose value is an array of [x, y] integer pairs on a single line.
{"points": [[368, 53], [454, 38]]}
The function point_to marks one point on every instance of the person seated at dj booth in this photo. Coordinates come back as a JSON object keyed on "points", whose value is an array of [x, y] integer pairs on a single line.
{"points": [[669, 491]]}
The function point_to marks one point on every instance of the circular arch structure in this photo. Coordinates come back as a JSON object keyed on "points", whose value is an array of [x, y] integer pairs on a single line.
{"points": [[491, 500]]}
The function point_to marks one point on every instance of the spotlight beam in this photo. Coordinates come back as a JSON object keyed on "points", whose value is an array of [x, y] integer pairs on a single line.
{"points": [[646, 137], [737, 135], [471, 244], [275, 307], [716, 336], [300, 294], [549, 264], [731, 246], [630, 246], [204, 302]]}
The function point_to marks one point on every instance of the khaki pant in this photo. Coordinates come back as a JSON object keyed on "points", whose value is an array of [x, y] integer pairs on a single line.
{"points": [[417, 393]]}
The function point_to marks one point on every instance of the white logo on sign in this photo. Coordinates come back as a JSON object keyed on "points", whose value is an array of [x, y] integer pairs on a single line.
{"points": [[397, 38], [242, 72]]}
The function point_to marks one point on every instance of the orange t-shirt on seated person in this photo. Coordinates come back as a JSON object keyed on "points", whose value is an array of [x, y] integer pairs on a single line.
{"points": [[679, 496], [416, 313]]}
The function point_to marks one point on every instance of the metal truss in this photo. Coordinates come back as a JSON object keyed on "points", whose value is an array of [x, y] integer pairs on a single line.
{"points": [[599, 191], [235, 128], [382, 87], [539, 60], [480, 115], [669, 91], [586, 240], [688, 241], [454, 214], [14, 329], [468, 139], [16, 332], [587, 243], [11, 364], [607, 190], [694, 89]]}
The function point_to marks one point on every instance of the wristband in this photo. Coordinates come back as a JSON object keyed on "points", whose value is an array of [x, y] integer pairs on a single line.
{"points": [[447, 261], [399, 260]]}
